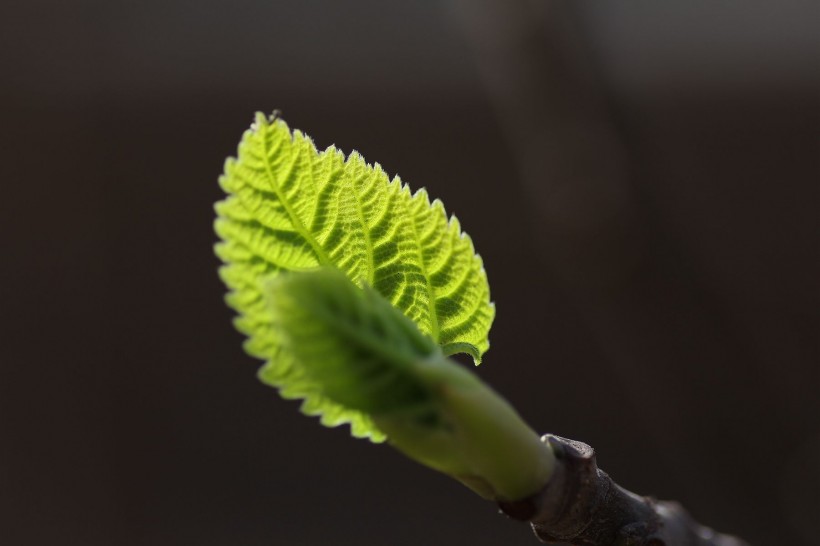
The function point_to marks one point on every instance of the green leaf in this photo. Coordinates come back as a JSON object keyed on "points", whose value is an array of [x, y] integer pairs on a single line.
{"points": [[364, 354], [292, 209], [359, 350]]}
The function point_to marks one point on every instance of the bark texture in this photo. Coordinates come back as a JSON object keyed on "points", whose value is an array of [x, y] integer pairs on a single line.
{"points": [[581, 505]]}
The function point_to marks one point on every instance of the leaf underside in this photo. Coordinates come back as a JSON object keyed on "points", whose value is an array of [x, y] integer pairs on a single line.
{"points": [[291, 209], [363, 352]]}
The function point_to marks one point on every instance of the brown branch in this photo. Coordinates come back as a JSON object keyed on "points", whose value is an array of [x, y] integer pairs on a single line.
{"points": [[581, 505]]}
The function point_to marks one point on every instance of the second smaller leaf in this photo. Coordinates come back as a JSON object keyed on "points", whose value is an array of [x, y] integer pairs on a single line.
{"points": [[365, 355], [353, 344]]}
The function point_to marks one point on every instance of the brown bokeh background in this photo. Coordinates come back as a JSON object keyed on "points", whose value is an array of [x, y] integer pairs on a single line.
{"points": [[640, 178]]}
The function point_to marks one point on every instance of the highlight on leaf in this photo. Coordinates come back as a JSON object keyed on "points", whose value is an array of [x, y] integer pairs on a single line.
{"points": [[292, 209]]}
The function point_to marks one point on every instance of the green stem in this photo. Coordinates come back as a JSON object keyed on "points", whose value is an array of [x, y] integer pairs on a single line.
{"points": [[480, 440]]}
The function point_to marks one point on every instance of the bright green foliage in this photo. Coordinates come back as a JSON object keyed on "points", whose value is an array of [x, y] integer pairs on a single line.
{"points": [[363, 353], [290, 208], [359, 350]]}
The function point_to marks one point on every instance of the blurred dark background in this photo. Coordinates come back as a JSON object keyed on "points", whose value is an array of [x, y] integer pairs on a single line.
{"points": [[641, 179]]}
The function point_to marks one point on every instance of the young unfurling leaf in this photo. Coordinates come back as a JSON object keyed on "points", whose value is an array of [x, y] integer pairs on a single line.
{"points": [[363, 354], [291, 209], [358, 349]]}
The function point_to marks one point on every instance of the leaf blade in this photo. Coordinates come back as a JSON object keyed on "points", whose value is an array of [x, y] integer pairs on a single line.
{"points": [[290, 208]]}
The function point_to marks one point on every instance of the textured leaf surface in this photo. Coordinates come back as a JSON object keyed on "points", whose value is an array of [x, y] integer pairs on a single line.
{"points": [[360, 350], [290, 208]]}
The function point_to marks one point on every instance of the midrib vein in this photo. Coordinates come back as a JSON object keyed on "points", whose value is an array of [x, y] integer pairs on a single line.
{"points": [[297, 222]]}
